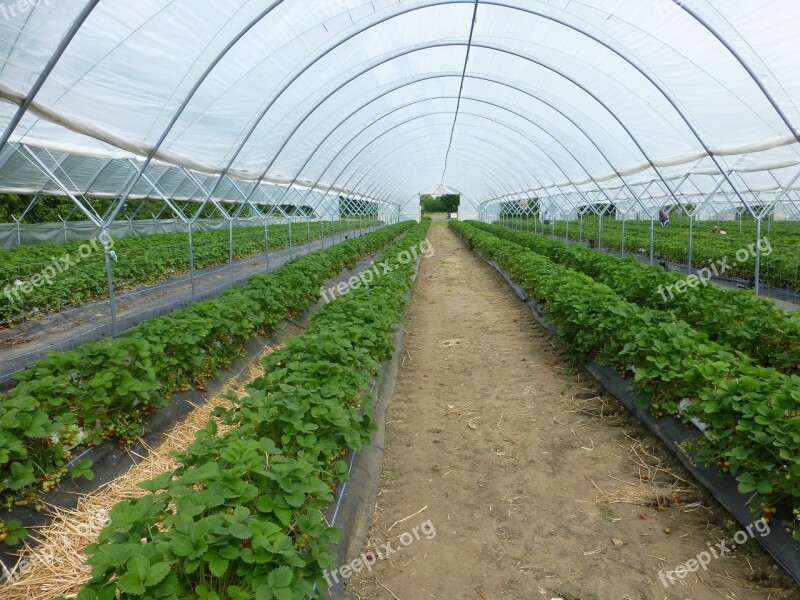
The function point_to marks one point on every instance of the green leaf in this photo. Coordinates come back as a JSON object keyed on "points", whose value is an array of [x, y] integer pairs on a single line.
{"points": [[284, 594], [218, 566], [21, 476], [131, 583], [83, 469], [280, 577], [115, 554], [159, 483], [157, 573], [240, 531], [139, 565], [264, 592], [182, 546]]}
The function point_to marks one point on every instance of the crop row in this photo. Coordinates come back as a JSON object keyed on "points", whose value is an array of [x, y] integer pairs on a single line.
{"points": [[779, 268], [104, 390], [753, 412], [730, 317], [76, 270], [241, 517]]}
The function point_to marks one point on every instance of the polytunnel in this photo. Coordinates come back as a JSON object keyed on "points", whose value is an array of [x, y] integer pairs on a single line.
{"points": [[190, 187], [637, 103]]}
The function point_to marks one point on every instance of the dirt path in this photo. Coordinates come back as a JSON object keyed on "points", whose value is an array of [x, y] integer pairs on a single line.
{"points": [[510, 457]]}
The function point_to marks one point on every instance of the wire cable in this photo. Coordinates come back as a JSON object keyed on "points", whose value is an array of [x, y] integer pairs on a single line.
{"points": [[461, 88]]}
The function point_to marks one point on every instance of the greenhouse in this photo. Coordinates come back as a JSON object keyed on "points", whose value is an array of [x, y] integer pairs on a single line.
{"points": [[399, 299]]}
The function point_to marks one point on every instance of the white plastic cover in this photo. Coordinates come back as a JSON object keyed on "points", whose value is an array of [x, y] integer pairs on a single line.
{"points": [[559, 97]]}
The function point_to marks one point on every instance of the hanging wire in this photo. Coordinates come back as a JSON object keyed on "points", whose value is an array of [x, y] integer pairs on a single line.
{"points": [[461, 88]]}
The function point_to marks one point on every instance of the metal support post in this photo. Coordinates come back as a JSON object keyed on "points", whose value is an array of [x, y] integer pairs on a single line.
{"points": [[110, 280], [652, 240], [291, 251], [757, 287], [191, 259], [230, 246], [266, 239]]}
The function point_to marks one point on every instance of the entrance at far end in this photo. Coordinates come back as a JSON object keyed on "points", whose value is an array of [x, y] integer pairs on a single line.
{"points": [[441, 204]]}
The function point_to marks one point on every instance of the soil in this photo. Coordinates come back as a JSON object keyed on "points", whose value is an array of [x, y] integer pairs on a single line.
{"points": [[536, 483]]}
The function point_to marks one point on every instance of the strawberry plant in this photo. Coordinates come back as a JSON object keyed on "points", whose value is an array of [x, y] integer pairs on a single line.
{"points": [[104, 390], [733, 317], [781, 268], [241, 516], [143, 260]]}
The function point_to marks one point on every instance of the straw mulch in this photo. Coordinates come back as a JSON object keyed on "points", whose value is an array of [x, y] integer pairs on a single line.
{"points": [[55, 565], [642, 495]]}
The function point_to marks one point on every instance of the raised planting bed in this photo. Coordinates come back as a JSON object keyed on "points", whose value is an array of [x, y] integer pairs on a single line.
{"points": [[735, 318], [36, 280], [104, 391], [242, 515]]}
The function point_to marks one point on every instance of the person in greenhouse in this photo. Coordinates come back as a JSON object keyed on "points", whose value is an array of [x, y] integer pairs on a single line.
{"points": [[663, 218], [547, 218]]}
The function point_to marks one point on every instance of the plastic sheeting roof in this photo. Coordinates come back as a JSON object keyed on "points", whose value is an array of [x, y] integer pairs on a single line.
{"points": [[379, 98]]}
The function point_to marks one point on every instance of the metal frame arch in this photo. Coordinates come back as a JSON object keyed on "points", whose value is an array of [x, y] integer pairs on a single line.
{"points": [[465, 176], [416, 102], [418, 141], [501, 166], [48, 70], [410, 144], [657, 84], [427, 46], [496, 3], [386, 132], [511, 128], [344, 40], [480, 159], [495, 81], [341, 151], [431, 45], [532, 141], [681, 4], [498, 166], [427, 78]]}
